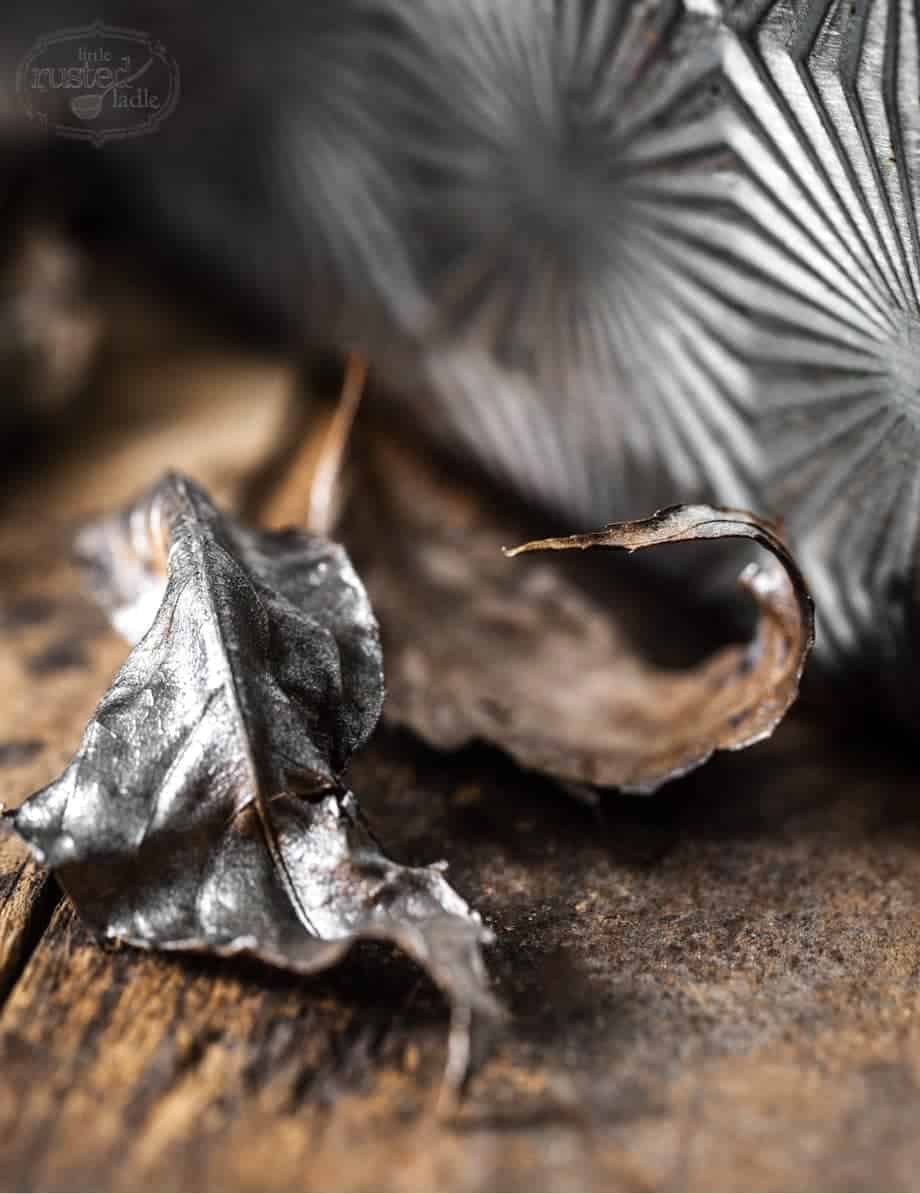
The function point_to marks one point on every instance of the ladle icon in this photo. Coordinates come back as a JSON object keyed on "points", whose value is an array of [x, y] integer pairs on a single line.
{"points": [[88, 107]]}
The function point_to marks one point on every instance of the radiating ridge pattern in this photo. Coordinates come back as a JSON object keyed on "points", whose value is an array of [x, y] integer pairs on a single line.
{"points": [[597, 365], [703, 282], [825, 125]]}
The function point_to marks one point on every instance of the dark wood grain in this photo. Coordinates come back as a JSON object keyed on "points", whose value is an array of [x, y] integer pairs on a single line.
{"points": [[27, 900], [717, 988]]}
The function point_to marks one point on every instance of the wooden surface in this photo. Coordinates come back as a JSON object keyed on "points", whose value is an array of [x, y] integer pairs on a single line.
{"points": [[713, 989]]}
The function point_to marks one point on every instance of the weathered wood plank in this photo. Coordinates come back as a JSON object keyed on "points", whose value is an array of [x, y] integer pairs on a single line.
{"points": [[27, 898], [718, 988]]}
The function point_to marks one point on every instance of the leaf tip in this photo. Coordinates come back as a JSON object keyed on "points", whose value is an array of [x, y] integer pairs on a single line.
{"points": [[522, 548]]}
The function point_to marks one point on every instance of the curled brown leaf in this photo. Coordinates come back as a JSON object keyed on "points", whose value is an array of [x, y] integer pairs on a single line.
{"points": [[529, 659], [737, 697]]}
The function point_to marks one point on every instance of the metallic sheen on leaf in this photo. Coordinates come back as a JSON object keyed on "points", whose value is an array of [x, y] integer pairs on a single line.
{"points": [[206, 807]]}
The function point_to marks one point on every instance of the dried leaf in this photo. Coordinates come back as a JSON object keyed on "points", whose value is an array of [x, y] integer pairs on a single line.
{"points": [[205, 808], [526, 658], [740, 695]]}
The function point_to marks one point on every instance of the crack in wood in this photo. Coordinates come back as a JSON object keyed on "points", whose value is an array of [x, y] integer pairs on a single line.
{"points": [[42, 904]]}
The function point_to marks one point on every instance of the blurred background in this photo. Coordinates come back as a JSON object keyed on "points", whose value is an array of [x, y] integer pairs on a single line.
{"points": [[531, 219], [457, 189]]}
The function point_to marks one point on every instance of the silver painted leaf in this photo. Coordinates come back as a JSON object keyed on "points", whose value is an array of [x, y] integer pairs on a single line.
{"points": [[206, 808]]}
